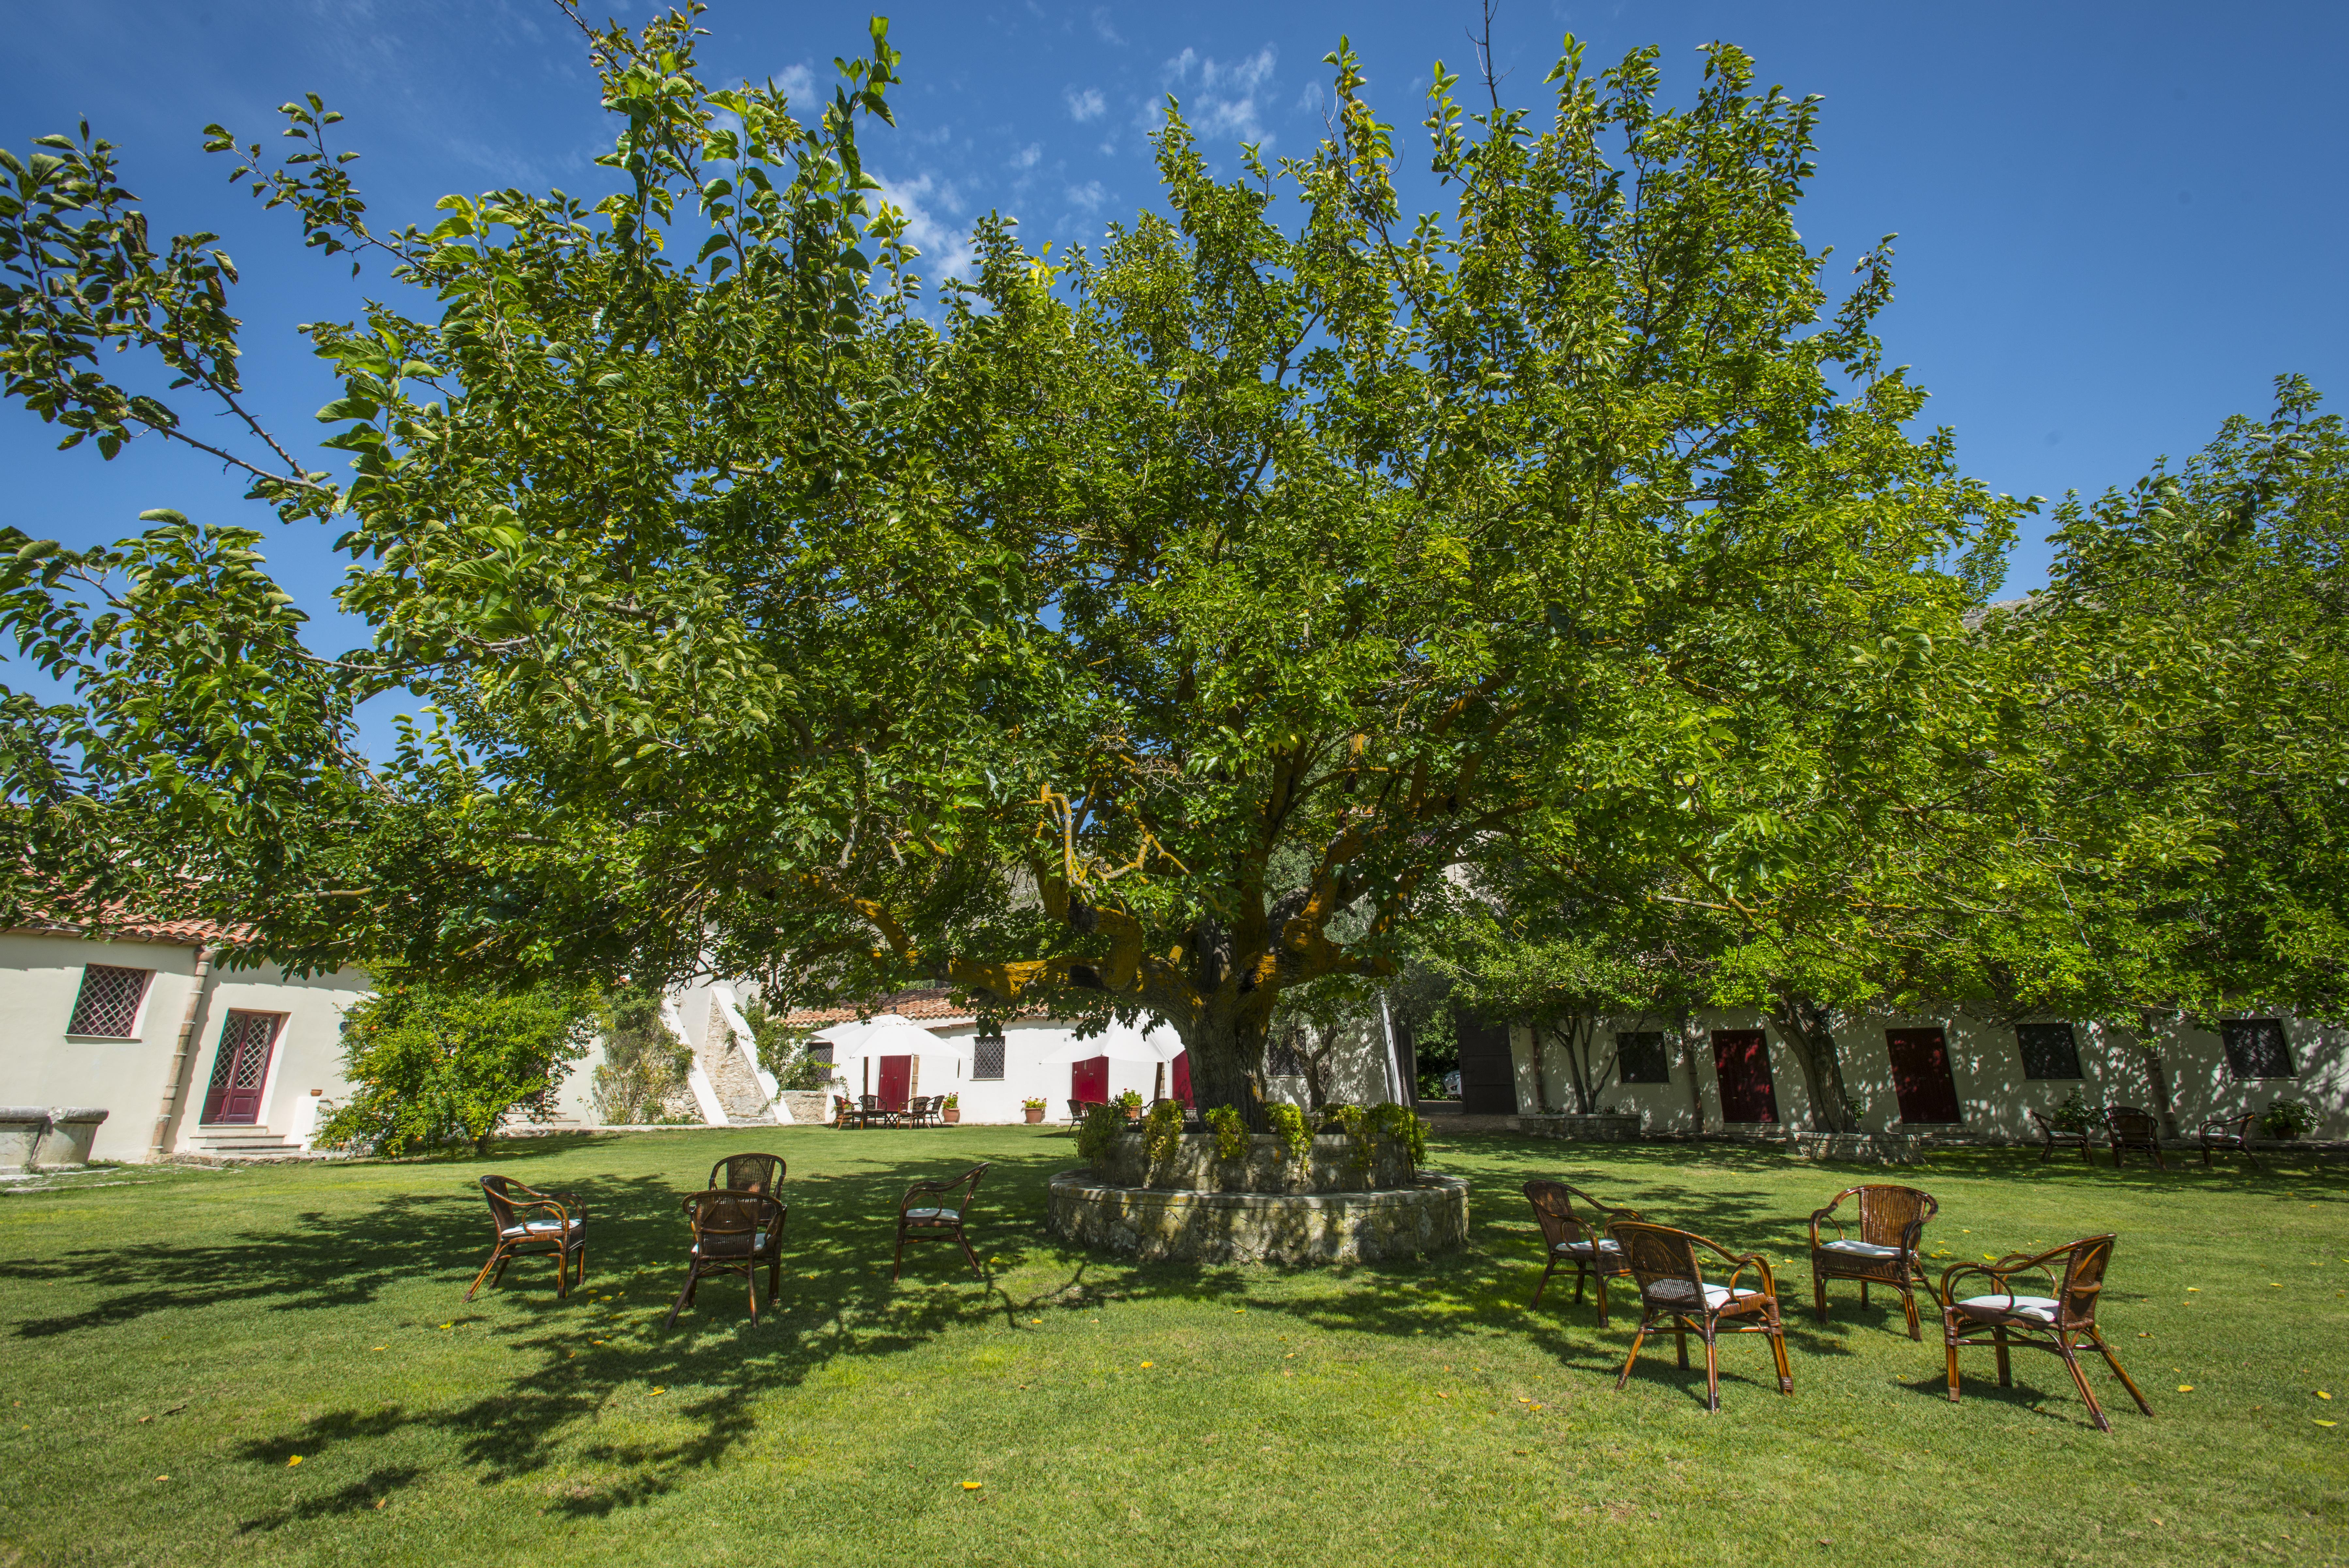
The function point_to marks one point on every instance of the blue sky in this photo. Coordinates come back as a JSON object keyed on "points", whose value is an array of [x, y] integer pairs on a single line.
{"points": [[2118, 222]]}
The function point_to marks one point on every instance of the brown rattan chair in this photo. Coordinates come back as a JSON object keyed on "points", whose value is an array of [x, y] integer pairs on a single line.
{"points": [[1885, 1252], [845, 1112], [750, 1173], [1076, 1112], [2058, 1137], [2229, 1133], [2060, 1321], [1581, 1240], [922, 1111], [559, 1228], [733, 1233], [1674, 1294], [870, 1112], [933, 1211], [2129, 1127]]}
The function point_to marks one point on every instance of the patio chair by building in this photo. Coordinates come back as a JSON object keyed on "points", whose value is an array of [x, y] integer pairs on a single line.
{"points": [[934, 1210], [1077, 1112], [1673, 1293], [845, 1113], [1885, 1252], [1581, 1240], [2062, 1322], [2229, 1133], [530, 1222], [733, 1233], [2129, 1127], [2058, 1137]]}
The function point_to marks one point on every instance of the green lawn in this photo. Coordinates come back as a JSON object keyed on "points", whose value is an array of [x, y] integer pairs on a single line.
{"points": [[174, 1339]]}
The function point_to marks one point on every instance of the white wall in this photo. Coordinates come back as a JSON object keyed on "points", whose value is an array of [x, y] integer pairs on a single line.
{"points": [[307, 1063]]}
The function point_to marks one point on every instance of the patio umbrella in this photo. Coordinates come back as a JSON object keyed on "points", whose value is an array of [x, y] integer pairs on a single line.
{"points": [[889, 1034], [1123, 1043]]}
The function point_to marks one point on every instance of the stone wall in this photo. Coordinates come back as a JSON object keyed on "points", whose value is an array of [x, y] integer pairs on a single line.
{"points": [[1583, 1129], [1329, 1166], [1429, 1215]]}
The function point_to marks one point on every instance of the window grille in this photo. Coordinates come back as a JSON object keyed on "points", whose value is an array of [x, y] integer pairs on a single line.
{"points": [[1641, 1058], [2049, 1050], [109, 1004], [820, 1052], [1281, 1059], [987, 1053], [2256, 1048]]}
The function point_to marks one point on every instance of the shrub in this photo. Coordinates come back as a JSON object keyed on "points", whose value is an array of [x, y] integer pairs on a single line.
{"points": [[644, 1065], [1286, 1123], [1231, 1133], [1098, 1139], [1162, 1130], [1129, 1100], [2287, 1119], [2074, 1116], [1404, 1124]]}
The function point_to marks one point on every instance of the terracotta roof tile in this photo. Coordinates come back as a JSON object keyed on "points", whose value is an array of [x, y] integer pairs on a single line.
{"points": [[121, 925], [931, 1004]]}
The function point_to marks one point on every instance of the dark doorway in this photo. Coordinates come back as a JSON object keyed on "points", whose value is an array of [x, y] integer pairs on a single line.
{"points": [[1741, 1062], [1089, 1081], [1920, 1075], [1488, 1079], [240, 1068], [896, 1082]]}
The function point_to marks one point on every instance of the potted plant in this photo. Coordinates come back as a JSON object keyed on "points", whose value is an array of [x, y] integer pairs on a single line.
{"points": [[2287, 1119], [1130, 1103], [1033, 1109], [951, 1112], [2074, 1116]]}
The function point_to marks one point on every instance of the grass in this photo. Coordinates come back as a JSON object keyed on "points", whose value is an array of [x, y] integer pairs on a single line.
{"points": [[176, 1340]]}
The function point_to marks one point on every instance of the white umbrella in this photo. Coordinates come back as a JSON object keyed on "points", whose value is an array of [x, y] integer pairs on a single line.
{"points": [[889, 1034], [1123, 1043]]}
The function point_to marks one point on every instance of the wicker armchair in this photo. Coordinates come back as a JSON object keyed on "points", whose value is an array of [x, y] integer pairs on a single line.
{"points": [[2055, 1137], [2060, 1321], [1578, 1239], [1674, 1294], [922, 1111], [870, 1111], [733, 1233], [1885, 1252], [1077, 1112], [528, 1222], [2129, 1127], [934, 1210], [2229, 1133], [749, 1173], [845, 1113]]}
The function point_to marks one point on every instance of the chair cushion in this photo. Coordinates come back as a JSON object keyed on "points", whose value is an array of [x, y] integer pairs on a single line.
{"points": [[1860, 1250], [1674, 1293], [540, 1228], [733, 1246], [2034, 1308], [1582, 1248], [937, 1216]]}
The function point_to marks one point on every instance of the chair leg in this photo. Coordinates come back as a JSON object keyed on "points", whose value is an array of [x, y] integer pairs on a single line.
{"points": [[2047, 1153], [1820, 1292], [2006, 1373], [1545, 1278], [898, 1263], [1779, 1353], [1863, 1292], [1679, 1333], [561, 1273], [1949, 1339], [1581, 1275], [2158, 1163], [750, 1282], [1598, 1289], [2205, 1157], [2114, 1362], [1636, 1340], [692, 1278], [583, 1263], [497, 1256], [2080, 1381], [968, 1253], [1908, 1304], [1712, 1371]]}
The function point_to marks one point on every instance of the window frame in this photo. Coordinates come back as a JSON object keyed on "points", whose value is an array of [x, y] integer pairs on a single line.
{"points": [[987, 1035], [146, 979], [1664, 1055], [2072, 1039], [2226, 1026]]}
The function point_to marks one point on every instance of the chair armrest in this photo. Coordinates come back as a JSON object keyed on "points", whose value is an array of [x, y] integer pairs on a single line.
{"points": [[1756, 1259]]}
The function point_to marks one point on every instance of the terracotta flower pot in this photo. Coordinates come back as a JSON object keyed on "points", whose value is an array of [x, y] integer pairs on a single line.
{"points": [[1034, 1114], [950, 1118]]}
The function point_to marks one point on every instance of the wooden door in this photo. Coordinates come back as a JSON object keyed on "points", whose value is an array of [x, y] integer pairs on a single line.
{"points": [[241, 1067], [1488, 1079], [896, 1082], [1182, 1076], [1920, 1075], [1089, 1081], [1741, 1062]]}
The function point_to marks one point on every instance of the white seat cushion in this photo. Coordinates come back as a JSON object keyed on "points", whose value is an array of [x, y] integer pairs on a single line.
{"points": [[733, 1246], [2034, 1308], [1860, 1250], [1674, 1293], [1582, 1248], [946, 1215], [538, 1228]]}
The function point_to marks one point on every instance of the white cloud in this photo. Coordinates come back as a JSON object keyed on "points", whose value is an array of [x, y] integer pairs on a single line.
{"points": [[1088, 195], [1223, 98], [1027, 157], [1101, 27], [945, 244], [1086, 105], [798, 83]]}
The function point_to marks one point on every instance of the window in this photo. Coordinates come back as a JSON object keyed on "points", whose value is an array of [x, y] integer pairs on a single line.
{"points": [[986, 1052], [108, 1005], [1281, 1060], [820, 1053], [2256, 1048], [1642, 1059], [2049, 1050]]}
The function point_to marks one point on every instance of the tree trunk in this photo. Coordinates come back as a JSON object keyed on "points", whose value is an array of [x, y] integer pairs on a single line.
{"points": [[1226, 1061], [1806, 1027]]}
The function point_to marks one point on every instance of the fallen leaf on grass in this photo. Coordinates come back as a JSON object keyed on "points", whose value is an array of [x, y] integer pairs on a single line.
{"points": [[972, 1486], [162, 1478], [2322, 1422], [2186, 1388], [292, 1462]]}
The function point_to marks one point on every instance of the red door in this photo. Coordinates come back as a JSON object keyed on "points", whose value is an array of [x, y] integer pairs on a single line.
{"points": [[1183, 1079], [1089, 1081], [1741, 1060], [896, 1081], [1920, 1075], [241, 1067]]}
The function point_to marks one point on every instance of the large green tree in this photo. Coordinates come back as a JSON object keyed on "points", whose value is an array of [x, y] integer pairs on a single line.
{"points": [[1158, 628]]}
